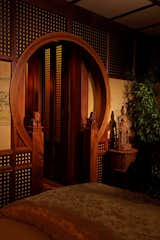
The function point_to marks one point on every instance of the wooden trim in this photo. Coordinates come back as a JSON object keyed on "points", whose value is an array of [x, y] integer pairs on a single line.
{"points": [[150, 26], [23, 166], [6, 58], [117, 76], [6, 152], [133, 11], [84, 95], [73, 1], [17, 82], [80, 14], [6, 169], [23, 150]]}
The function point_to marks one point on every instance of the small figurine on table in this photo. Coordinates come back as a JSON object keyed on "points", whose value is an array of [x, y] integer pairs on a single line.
{"points": [[37, 119], [112, 132], [123, 130]]}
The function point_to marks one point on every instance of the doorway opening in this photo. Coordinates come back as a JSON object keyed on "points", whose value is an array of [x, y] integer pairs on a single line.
{"points": [[63, 84]]}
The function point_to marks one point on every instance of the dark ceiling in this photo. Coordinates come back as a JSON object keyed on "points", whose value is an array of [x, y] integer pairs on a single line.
{"points": [[141, 15]]}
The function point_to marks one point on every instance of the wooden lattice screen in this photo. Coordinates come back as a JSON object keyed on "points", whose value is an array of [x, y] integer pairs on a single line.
{"points": [[33, 22], [5, 28], [96, 38], [102, 148], [23, 179], [120, 57], [5, 178], [15, 176]]}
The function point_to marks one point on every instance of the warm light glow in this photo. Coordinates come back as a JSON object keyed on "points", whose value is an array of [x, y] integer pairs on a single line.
{"points": [[58, 91], [5, 115], [47, 86], [90, 95]]}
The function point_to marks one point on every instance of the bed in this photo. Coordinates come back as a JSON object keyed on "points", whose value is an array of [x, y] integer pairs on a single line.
{"points": [[86, 211]]}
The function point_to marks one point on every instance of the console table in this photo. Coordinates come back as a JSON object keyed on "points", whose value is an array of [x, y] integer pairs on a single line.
{"points": [[118, 164], [120, 160]]}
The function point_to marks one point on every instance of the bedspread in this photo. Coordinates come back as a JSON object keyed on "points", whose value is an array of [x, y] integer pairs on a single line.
{"points": [[91, 211]]}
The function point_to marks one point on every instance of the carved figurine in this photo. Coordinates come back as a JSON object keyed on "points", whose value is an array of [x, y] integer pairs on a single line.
{"points": [[92, 118], [113, 132], [37, 119], [123, 131]]}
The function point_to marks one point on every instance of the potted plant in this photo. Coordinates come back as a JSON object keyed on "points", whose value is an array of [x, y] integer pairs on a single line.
{"points": [[144, 112]]}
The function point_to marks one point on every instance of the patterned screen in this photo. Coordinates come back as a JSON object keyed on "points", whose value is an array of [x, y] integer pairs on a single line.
{"points": [[5, 160], [23, 183], [4, 188], [33, 22], [101, 147], [58, 92], [23, 158], [100, 161], [120, 54], [5, 37], [100, 168], [97, 39], [15, 183], [5, 174]]}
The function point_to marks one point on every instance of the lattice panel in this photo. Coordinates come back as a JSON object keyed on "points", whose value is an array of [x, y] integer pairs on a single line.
{"points": [[120, 54], [101, 147], [99, 168], [4, 188], [5, 160], [97, 39], [23, 158], [58, 92], [23, 183], [5, 37], [33, 22]]}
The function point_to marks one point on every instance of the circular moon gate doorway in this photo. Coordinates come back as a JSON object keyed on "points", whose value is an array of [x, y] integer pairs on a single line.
{"points": [[64, 80]]}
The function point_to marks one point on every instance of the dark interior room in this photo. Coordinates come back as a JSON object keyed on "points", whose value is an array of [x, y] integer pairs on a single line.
{"points": [[79, 119]]}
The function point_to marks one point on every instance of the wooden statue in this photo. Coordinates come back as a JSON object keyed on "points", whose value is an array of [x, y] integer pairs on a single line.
{"points": [[36, 119], [113, 132], [123, 131]]}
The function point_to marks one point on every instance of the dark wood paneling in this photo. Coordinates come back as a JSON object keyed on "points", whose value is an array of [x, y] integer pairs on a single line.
{"points": [[120, 59], [143, 49], [32, 86], [74, 69]]}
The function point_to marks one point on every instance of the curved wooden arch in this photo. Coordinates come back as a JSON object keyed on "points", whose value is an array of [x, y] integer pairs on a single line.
{"points": [[18, 80]]}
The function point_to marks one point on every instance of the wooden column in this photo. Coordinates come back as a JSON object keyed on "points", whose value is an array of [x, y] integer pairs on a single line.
{"points": [[37, 158], [74, 112], [84, 94], [93, 152]]}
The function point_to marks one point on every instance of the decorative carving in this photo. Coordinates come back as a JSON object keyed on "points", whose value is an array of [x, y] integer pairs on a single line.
{"points": [[112, 132], [37, 119], [92, 119]]}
